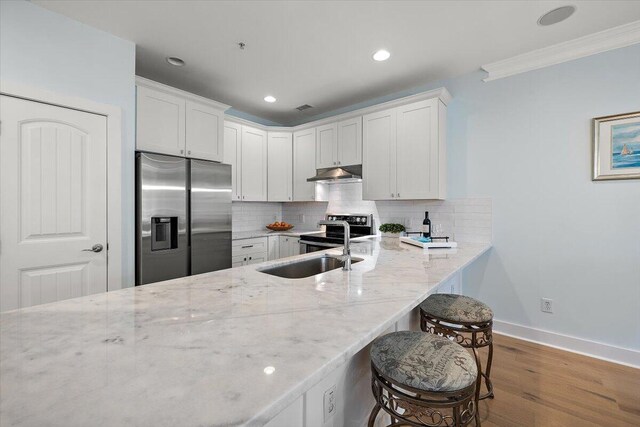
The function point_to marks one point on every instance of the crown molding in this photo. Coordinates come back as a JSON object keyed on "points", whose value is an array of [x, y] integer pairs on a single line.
{"points": [[141, 81], [612, 38]]}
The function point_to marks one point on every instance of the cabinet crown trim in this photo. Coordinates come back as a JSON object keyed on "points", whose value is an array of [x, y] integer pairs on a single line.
{"points": [[141, 81]]}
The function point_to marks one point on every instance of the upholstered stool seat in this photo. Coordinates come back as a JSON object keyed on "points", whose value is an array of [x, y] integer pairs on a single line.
{"points": [[465, 320], [457, 308], [421, 379]]}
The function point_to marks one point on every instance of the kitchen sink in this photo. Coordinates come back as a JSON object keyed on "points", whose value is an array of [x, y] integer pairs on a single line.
{"points": [[307, 267]]}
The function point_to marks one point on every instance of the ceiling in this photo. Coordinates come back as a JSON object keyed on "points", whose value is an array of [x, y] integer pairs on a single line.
{"points": [[319, 52]]}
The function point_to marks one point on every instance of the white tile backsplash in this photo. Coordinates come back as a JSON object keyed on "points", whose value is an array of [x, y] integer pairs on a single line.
{"points": [[466, 220], [250, 216]]}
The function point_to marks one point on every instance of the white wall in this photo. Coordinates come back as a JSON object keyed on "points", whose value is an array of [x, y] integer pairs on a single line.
{"points": [[46, 50]]}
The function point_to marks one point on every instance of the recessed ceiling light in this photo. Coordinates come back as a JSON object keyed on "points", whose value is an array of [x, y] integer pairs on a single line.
{"points": [[381, 55], [174, 60], [556, 15], [270, 98]]}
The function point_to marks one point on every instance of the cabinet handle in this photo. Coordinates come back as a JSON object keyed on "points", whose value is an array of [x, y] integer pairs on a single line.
{"points": [[334, 163], [392, 195], [248, 246], [243, 197], [338, 162], [181, 151], [398, 194], [189, 152], [245, 258], [249, 258]]}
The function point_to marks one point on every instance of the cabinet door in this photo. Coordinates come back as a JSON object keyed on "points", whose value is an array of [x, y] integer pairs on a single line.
{"points": [[254, 164], [256, 258], [326, 146], [416, 150], [238, 260], [232, 155], [350, 142], [160, 122], [273, 248], [280, 167], [294, 246], [379, 155], [285, 247], [205, 132], [304, 164]]}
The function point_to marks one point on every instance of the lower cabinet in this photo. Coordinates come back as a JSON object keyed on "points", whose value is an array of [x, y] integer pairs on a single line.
{"points": [[274, 247], [289, 246], [248, 251]]}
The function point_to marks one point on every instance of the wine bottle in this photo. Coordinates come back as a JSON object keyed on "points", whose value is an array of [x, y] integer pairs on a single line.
{"points": [[426, 226]]}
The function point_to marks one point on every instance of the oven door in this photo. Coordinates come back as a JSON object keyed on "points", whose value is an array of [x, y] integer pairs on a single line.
{"points": [[307, 247]]}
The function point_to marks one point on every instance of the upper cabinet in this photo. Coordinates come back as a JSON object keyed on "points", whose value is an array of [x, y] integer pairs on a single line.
{"points": [[160, 122], [205, 132], [404, 152], [339, 144], [253, 161], [170, 121], [232, 154], [304, 164], [279, 167], [349, 147], [326, 146]]}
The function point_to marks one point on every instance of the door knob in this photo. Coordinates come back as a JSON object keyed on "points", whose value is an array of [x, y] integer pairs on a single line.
{"points": [[95, 248]]}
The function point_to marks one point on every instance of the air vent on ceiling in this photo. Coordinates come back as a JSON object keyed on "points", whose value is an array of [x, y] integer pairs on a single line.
{"points": [[303, 107]]}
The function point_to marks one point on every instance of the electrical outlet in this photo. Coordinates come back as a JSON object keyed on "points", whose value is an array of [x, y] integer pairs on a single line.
{"points": [[546, 305], [329, 402]]}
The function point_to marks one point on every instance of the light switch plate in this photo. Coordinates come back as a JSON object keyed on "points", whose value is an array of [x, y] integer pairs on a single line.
{"points": [[329, 402]]}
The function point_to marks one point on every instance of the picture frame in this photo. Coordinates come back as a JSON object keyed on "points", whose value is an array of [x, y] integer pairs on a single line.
{"points": [[616, 147]]}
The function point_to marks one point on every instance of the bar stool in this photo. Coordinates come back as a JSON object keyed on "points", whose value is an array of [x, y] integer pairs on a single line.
{"points": [[422, 379], [468, 321]]}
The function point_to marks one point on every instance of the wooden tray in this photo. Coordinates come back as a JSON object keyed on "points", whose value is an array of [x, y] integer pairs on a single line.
{"points": [[270, 227]]}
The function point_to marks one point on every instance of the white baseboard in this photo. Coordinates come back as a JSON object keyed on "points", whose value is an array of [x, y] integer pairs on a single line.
{"points": [[610, 353]]}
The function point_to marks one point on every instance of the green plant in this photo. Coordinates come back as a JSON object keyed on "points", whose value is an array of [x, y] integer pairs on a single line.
{"points": [[392, 228]]}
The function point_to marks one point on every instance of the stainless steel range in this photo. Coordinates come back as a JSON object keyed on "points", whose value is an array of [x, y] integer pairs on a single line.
{"points": [[360, 225]]}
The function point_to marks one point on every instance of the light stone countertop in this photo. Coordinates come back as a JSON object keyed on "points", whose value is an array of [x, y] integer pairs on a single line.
{"points": [[237, 235], [192, 351]]}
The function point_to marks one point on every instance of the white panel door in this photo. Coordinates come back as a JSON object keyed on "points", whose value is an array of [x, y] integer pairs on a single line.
{"points": [[326, 146], [350, 142], [304, 164], [254, 164], [280, 167], [232, 154], [416, 150], [205, 132], [379, 155], [53, 203], [160, 122]]}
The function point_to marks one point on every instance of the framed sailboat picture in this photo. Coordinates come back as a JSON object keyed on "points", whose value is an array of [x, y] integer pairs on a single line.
{"points": [[616, 147]]}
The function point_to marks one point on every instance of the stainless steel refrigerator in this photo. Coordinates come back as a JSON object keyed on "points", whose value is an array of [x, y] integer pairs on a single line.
{"points": [[183, 217]]}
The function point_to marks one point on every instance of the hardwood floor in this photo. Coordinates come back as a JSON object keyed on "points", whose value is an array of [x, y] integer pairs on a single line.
{"points": [[536, 385]]}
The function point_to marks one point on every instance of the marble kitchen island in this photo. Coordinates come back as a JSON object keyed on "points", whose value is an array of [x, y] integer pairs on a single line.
{"points": [[233, 347]]}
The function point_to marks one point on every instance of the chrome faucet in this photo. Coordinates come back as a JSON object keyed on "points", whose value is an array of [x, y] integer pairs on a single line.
{"points": [[346, 250]]}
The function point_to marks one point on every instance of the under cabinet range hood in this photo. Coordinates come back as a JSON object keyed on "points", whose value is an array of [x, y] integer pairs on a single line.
{"points": [[338, 175]]}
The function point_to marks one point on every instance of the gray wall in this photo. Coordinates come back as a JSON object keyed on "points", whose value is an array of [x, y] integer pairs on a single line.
{"points": [[47, 50]]}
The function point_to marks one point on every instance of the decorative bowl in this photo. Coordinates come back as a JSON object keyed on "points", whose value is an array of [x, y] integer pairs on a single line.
{"points": [[274, 228]]}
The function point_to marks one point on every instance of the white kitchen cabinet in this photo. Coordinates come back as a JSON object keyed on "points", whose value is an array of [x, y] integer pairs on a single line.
{"points": [[304, 164], [254, 164], [204, 131], [404, 152], [249, 251], [349, 147], [289, 246], [279, 167], [238, 261], [174, 122], [291, 416], [326, 145], [273, 251], [160, 122], [378, 162], [232, 154]]}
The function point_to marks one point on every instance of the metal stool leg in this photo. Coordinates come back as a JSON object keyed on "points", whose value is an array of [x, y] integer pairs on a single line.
{"points": [[374, 414], [478, 385], [487, 375]]}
